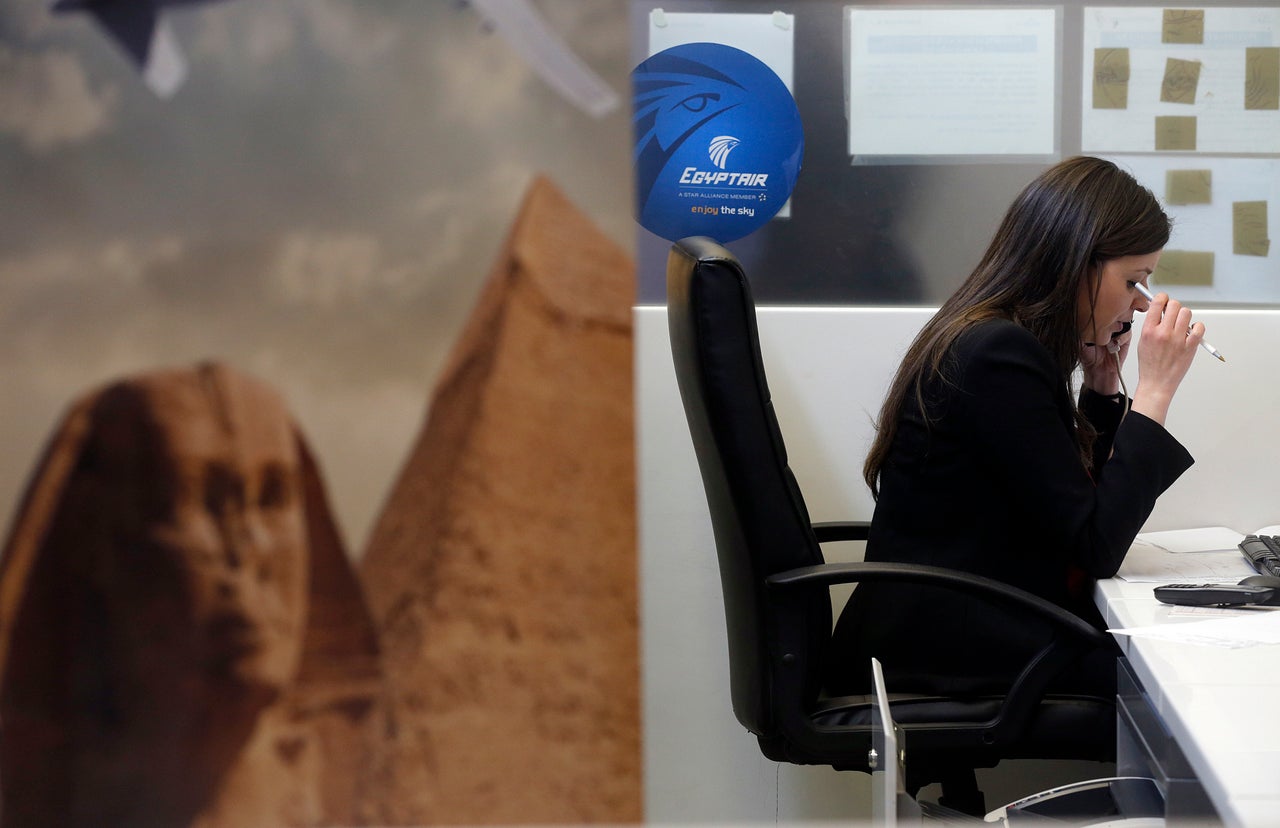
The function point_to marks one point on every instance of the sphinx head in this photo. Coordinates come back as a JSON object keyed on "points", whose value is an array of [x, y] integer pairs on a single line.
{"points": [[165, 548], [195, 541]]}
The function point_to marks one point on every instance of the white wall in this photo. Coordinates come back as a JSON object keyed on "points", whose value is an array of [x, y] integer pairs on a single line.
{"points": [[828, 369]]}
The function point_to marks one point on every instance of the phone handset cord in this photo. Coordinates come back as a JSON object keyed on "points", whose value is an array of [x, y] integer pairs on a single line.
{"points": [[1124, 391]]}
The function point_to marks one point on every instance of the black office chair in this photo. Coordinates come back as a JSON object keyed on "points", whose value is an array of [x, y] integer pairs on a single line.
{"points": [[775, 581]]}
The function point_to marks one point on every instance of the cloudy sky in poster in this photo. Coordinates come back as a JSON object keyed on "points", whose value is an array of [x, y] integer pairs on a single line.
{"points": [[318, 204]]}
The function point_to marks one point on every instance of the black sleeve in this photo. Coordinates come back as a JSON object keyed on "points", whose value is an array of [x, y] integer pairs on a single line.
{"points": [[1016, 405]]}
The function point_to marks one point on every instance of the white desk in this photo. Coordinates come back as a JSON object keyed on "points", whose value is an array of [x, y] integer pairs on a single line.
{"points": [[1219, 705]]}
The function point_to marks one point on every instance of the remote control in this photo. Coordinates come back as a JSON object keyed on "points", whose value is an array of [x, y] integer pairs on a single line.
{"points": [[1212, 595]]}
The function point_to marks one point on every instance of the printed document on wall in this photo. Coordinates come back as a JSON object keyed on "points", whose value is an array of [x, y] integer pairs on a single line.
{"points": [[1186, 80], [767, 37], [952, 82]]}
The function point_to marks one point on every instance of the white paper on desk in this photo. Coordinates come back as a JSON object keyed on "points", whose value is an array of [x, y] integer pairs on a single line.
{"points": [[1204, 556], [1203, 539], [1150, 565], [1260, 627]]}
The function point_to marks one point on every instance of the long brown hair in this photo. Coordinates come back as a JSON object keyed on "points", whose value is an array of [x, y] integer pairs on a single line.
{"points": [[1072, 218]]}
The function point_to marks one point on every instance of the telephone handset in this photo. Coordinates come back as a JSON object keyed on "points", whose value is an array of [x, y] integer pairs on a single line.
{"points": [[1113, 347]]}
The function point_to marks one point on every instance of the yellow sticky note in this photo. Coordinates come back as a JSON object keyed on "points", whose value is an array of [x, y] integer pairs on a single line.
{"points": [[1188, 186], [1110, 78], [1183, 26], [1181, 77], [1175, 132], [1262, 77], [1249, 228], [1184, 267]]}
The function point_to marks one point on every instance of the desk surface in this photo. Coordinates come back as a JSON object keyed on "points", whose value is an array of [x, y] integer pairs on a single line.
{"points": [[1221, 705]]}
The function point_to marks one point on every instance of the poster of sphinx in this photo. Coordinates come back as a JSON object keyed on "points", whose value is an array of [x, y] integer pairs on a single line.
{"points": [[318, 473]]}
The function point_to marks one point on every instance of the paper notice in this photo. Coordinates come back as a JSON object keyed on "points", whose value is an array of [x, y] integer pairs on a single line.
{"points": [[1180, 80], [1183, 26], [1184, 267], [1176, 132], [1188, 186], [1110, 78], [1249, 228], [1262, 77]]}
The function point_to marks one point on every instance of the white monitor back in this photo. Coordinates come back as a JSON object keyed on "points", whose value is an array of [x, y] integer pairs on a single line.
{"points": [[887, 772]]}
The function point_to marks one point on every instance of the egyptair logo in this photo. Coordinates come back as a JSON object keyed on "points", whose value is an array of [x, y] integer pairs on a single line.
{"points": [[714, 127], [720, 147], [674, 97]]}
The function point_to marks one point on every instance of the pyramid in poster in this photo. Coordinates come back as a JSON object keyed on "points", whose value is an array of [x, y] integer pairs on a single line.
{"points": [[502, 570]]}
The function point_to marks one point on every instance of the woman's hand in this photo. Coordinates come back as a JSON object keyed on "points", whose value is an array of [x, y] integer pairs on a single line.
{"points": [[1169, 343], [1101, 364]]}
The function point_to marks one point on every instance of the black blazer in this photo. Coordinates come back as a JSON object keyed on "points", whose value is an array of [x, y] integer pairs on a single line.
{"points": [[994, 485]]}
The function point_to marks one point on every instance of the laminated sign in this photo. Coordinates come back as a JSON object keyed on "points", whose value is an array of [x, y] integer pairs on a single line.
{"points": [[718, 142]]}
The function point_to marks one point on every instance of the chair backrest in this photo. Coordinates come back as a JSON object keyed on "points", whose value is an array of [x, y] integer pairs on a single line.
{"points": [[758, 514]]}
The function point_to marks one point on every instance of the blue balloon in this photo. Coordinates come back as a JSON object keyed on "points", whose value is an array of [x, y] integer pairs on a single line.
{"points": [[718, 142]]}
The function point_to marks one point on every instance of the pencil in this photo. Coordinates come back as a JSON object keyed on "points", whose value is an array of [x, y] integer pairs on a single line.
{"points": [[1212, 350]]}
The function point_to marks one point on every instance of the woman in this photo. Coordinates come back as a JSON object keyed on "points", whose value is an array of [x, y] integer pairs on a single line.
{"points": [[982, 462]]}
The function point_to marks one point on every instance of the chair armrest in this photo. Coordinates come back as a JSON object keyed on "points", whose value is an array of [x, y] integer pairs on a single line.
{"points": [[1074, 635], [841, 530], [847, 573]]}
